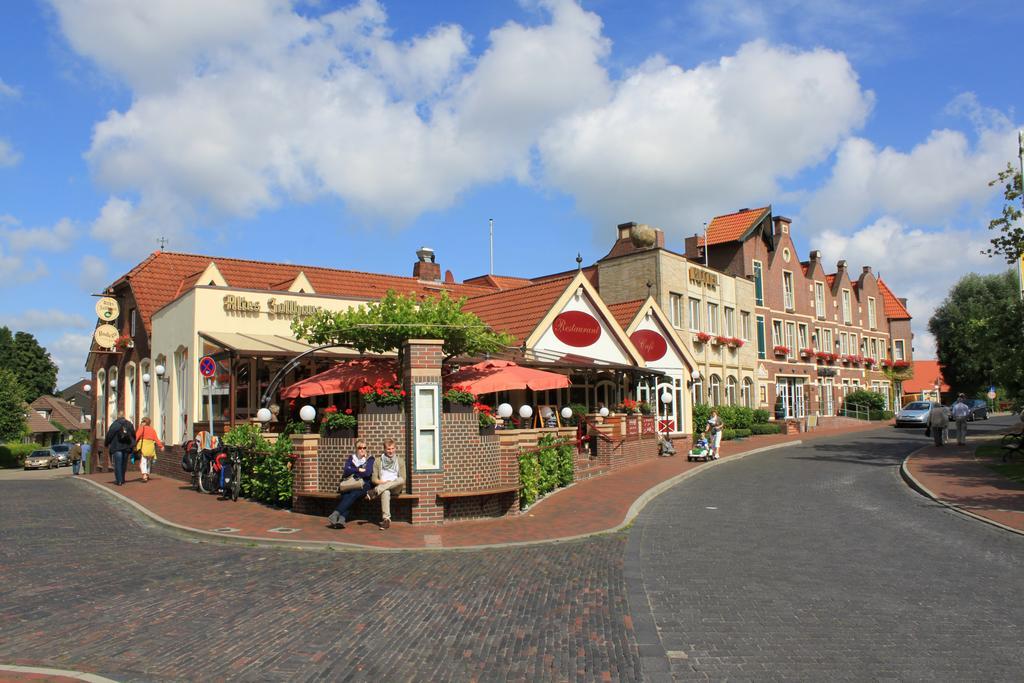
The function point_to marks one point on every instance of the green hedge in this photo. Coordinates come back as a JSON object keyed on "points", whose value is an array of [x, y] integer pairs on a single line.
{"points": [[545, 469], [762, 416], [266, 468], [13, 454], [730, 434], [881, 415], [766, 428]]}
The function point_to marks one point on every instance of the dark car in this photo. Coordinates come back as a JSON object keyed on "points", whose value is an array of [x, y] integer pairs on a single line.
{"points": [[979, 409], [63, 451]]}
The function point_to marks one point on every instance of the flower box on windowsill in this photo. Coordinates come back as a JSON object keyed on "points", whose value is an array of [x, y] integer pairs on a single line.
{"points": [[374, 409], [721, 340], [781, 350], [806, 353], [701, 337]]}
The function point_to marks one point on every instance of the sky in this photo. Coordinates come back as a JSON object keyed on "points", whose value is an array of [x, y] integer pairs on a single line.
{"points": [[349, 134]]}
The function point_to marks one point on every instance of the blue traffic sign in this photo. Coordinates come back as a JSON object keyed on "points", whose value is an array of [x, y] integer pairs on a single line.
{"points": [[207, 366]]}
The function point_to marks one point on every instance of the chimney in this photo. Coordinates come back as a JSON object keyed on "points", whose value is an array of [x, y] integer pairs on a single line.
{"points": [[902, 300], [840, 268], [782, 224], [866, 270], [633, 236], [425, 268], [623, 229], [815, 256]]}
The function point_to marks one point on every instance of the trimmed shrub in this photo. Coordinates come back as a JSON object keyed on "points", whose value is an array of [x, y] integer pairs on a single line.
{"points": [[730, 434], [881, 415], [761, 416], [13, 454], [759, 428], [529, 479], [863, 398], [545, 469], [266, 468], [701, 413], [736, 417]]}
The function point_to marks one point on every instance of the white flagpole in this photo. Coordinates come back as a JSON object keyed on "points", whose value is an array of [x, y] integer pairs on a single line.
{"points": [[490, 222]]}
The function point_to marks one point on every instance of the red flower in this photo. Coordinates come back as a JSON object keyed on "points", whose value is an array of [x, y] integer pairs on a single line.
{"points": [[330, 410], [348, 411]]}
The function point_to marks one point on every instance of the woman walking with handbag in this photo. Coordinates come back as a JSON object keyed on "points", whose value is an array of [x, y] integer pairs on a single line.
{"points": [[148, 442]]}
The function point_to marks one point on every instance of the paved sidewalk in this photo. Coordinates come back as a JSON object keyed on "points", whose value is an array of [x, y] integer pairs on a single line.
{"points": [[596, 505], [954, 476]]}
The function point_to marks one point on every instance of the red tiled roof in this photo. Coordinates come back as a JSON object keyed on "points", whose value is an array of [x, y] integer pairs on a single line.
{"points": [[731, 227], [830, 279], [925, 374], [894, 310], [63, 413], [164, 276], [625, 312], [517, 311], [37, 424], [498, 281]]}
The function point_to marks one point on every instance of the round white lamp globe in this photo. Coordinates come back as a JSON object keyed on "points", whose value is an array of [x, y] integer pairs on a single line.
{"points": [[113, 383], [525, 412], [566, 412], [504, 410], [145, 378], [307, 413], [87, 388], [160, 370], [666, 397], [264, 415], [603, 412]]}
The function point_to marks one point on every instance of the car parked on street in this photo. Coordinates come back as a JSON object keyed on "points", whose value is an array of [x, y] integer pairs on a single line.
{"points": [[979, 409], [914, 414], [41, 458], [63, 451]]}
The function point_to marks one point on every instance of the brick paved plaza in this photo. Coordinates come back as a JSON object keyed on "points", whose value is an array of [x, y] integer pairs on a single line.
{"points": [[813, 562]]}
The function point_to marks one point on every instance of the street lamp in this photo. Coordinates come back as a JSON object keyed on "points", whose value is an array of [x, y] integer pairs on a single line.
{"points": [[264, 415], [525, 412], [566, 413], [504, 410], [307, 413]]}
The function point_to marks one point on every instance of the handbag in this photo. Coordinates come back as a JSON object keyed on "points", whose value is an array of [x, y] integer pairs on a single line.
{"points": [[147, 448], [350, 484]]}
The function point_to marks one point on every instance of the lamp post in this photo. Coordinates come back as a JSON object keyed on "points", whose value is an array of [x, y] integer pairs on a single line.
{"points": [[163, 383]]}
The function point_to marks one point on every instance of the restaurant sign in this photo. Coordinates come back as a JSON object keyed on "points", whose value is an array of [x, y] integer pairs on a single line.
{"points": [[706, 278], [650, 344], [281, 308], [576, 328], [105, 336]]}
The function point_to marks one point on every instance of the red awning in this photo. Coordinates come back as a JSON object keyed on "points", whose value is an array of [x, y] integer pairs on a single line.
{"points": [[502, 375], [345, 376]]}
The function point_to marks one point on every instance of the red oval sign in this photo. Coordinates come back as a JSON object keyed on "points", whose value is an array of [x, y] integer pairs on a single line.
{"points": [[649, 343], [576, 328]]}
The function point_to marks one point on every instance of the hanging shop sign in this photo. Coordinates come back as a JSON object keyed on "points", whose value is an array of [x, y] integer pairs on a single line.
{"points": [[107, 309], [651, 345], [576, 328], [105, 336]]}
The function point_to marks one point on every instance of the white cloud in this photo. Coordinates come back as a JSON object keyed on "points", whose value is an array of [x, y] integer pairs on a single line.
{"points": [[8, 90], [58, 238], [35, 319], [92, 273], [8, 155], [17, 270], [928, 184], [917, 264], [69, 352], [684, 145]]}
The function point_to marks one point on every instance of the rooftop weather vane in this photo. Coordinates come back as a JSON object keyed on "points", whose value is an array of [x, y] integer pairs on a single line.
{"points": [[579, 262], [162, 241]]}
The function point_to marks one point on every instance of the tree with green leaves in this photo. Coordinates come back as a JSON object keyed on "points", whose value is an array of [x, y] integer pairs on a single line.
{"points": [[977, 333], [385, 325], [12, 406], [30, 362], [1010, 242]]}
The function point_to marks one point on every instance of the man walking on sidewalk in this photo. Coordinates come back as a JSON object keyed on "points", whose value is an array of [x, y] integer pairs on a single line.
{"points": [[960, 412], [938, 422]]}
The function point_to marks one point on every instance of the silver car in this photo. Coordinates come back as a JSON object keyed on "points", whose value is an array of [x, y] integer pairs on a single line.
{"points": [[40, 458], [63, 451], [914, 414]]}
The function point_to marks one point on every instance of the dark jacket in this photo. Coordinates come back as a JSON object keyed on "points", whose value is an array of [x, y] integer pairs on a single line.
{"points": [[120, 436], [352, 471]]}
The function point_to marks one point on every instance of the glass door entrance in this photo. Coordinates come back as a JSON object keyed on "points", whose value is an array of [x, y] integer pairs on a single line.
{"points": [[791, 391]]}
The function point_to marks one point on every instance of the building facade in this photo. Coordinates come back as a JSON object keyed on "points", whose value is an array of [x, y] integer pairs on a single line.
{"points": [[819, 334]]}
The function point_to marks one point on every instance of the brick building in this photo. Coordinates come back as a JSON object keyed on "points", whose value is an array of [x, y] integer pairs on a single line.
{"points": [[819, 334]]}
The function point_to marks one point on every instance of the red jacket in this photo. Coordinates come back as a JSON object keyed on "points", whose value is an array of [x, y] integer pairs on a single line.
{"points": [[147, 432]]}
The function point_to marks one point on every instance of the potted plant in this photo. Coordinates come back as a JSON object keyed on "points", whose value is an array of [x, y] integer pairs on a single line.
{"points": [[806, 352], [123, 342], [383, 397], [722, 340], [628, 406], [338, 424], [459, 399], [781, 350], [486, 419], [869, 361], [645, 408], [702, 337], [736, 342]]}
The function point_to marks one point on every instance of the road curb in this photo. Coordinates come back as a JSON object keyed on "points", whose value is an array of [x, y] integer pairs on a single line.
{"points": [[924, 491], [638, 505], [46, 671]]}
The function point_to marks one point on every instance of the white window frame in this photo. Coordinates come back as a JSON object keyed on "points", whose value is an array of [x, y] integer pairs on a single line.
{"points": [[791, 338], [801, 334], [819, 299], [422, 429], [730, 321], [871, 313], [788, 296], [847, 308], [899, 349], [757, 268], [675, 307], [777, 335], [745, 325], [712, 318], [693, 306]]}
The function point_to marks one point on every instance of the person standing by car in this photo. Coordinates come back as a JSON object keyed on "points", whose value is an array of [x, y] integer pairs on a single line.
{"points": [[148, 442], [961, 411], [938, 422], [120, 443], [76, 457]]}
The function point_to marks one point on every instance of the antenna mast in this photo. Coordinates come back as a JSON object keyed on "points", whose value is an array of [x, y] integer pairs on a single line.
{"points": [[490, 222]]}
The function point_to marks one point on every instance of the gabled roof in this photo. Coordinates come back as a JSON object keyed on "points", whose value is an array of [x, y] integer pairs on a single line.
{"points": [[498, 281], [625, 312], [925, 374], [63, 413], [894, 310], [733, 226], [37, 424], [165, 275], [518, 311]]}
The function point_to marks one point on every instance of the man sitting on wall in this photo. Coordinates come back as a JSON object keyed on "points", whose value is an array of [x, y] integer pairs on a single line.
{"points": [[387, 477]]}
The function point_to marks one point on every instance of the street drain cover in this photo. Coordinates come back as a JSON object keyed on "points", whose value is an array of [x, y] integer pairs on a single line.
{"points": [[225, 530], [283, 530]]}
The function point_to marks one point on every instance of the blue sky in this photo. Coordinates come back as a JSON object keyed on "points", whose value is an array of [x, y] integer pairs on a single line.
{"points": [[349, 134]]}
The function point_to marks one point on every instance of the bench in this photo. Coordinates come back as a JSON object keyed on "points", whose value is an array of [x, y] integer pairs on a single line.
{"points": [[326, 495], [448, 495]]}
